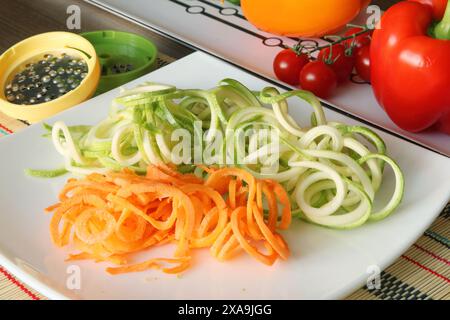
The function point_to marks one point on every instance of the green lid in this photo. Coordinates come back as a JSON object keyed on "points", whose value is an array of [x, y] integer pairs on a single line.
{"points": [[123, 57]]}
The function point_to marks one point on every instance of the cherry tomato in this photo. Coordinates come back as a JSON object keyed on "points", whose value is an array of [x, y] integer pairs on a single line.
{"points": [[339, 60], [359, 41], [318, 78], [288, 64], [362, 64]]}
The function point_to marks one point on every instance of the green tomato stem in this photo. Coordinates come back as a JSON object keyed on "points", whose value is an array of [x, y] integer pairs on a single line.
{"points": [[342, 39]]}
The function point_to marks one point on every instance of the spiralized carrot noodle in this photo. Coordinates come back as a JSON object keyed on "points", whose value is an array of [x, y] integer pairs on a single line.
{"points": [[112, 216]]}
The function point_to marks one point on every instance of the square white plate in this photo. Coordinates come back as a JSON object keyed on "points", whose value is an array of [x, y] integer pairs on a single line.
{"points": [[324, 263]]}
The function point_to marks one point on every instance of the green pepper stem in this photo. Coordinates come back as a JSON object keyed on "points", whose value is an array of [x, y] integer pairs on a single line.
{"points": [[442, 29], [447, 13]]}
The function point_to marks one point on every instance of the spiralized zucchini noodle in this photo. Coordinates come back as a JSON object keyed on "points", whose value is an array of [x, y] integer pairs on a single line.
{"points": [[332, 171]]}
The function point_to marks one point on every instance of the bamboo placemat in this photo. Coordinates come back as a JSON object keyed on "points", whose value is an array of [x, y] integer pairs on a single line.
{"points": [[421, 273]]}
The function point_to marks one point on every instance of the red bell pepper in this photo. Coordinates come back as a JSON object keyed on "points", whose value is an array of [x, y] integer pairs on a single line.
{"points": [[410, 58], [438, 7]]}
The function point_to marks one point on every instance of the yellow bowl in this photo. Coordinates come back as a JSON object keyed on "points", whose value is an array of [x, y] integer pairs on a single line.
{"points": [[28, 50]]}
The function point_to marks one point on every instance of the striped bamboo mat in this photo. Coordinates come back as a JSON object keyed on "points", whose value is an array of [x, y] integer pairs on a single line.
{"points": [[421, 273]]}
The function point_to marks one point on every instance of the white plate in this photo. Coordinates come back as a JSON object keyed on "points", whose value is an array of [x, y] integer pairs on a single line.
{"points": [[324, 263]]}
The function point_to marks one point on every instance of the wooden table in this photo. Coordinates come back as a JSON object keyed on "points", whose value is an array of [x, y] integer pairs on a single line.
{"points": [[20, 19]]}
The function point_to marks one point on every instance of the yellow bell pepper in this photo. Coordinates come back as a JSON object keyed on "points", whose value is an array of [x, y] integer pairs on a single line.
{"points": [[306, 18]]}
